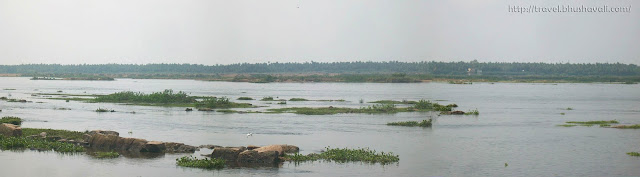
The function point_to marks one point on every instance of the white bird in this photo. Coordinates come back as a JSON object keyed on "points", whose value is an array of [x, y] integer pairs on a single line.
{"points": [[249, 134]]}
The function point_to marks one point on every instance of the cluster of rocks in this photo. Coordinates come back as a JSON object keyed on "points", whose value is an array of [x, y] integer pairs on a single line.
{"points": [[10, 130], [111, 140], [242, 156]]}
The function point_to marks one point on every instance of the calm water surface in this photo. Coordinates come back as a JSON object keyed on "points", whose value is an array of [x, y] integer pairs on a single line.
{"points": [[516, 125]]}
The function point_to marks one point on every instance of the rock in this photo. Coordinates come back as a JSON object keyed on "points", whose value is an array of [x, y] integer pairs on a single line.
{"points": [[277, 148], [153, 146], [252, 147], [188, 109], [33, 136], [179, 148], [105, 132], [290, 148], [228, 154], [103, 141], [251, 156], [43, 134], [209, 146], [10, 130]]}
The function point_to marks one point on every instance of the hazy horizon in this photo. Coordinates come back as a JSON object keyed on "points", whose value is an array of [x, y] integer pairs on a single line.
{"points": [[253, 31]]}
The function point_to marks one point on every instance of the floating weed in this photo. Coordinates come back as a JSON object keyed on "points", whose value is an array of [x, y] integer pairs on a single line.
{"points": [[245, 98], [423, 123], [40, 144], [562, 113], [569, 108], [472, 112], [594, 122], [106, 155], [11, 120], [635, 154], [268, 98], [567, 125], [347, 155], [206, 163], [65, 134], [298, 99], [636, 126]]}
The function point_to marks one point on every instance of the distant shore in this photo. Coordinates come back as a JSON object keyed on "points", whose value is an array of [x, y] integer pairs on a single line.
{"points": [[345, 78]]}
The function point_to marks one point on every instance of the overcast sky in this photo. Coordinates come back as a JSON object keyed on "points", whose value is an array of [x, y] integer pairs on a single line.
{"points": [[232, 31]]}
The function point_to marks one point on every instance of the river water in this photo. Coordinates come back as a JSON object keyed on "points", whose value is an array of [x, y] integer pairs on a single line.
{"points": [[516, 125]]}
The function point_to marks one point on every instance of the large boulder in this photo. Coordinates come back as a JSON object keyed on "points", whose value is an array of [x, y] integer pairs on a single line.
{"points": [[228, 154], [172, 147], [153, 146], [255, 157], [10, 130], [290, 148], [277, 148], [102, 141]]}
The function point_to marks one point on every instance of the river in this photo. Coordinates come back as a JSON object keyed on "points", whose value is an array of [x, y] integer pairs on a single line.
{"points": [[516, 125]]}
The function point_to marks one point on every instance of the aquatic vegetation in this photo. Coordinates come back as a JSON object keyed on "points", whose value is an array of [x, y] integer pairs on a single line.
{"points": [[361, 101], [222, 102], [605, 125], [226, 111], [11, 120], [562, 113], [165, 97], [64, 134], [472, 112], [105, 155], [206, 163], [569, 108], [39, 144], [394, 102], [298, 99], [428, 105], [8, 89], [347, 155], [104, 110], [594, 122], [635, 154], [567, 125], [245, 98], [636, 126], [282, 102], [423, 123], [267, 99]]}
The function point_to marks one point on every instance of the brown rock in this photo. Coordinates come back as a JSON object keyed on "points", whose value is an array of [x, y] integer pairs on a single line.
{"points": [[153, 146], [251, 156], [277, 148], [228, 154], [290, 148], [179, 148], [10, 130], [252, 147]]}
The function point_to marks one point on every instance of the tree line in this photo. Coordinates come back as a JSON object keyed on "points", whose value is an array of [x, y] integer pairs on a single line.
{"points": [[425, 67]]}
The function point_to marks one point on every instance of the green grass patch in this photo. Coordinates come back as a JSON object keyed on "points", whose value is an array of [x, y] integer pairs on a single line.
{"points": [[106, 155], [423, 123], [40, 144], [11, 120], [245, 98], [343, 155], [206, 163], [226, 111], [64, 134], [567, 125], [165, 97], [222, 102], [104, 110], [298, 99], [594, 122], [268, 98], [569, 109], [636, 126], [635, 154], [472, 112]]}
